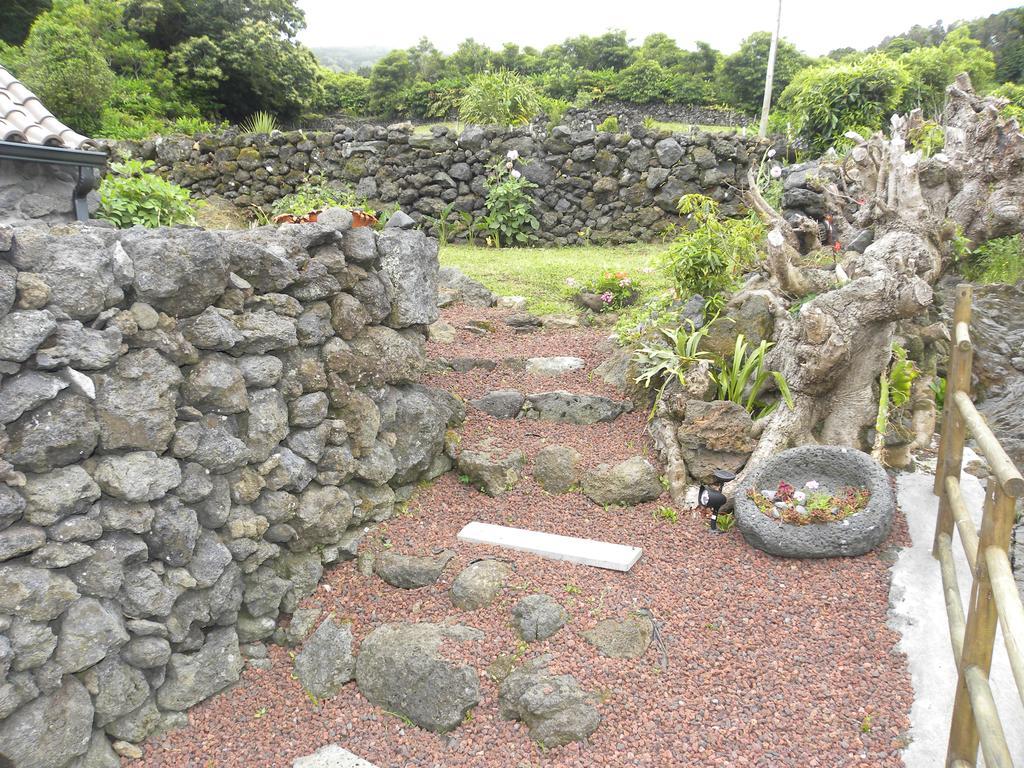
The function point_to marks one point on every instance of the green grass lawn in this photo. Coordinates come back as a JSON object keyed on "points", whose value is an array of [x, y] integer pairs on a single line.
{"points": [[539, 274]]}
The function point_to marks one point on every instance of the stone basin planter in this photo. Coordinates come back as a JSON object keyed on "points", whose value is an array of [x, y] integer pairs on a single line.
{"points": [[834, 467]]}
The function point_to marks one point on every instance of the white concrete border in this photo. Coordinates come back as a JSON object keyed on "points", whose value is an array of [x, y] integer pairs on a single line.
{"points": [[918, 612]]}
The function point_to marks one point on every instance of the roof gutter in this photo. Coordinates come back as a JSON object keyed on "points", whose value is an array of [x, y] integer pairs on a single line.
{"points": [[86, 161]]}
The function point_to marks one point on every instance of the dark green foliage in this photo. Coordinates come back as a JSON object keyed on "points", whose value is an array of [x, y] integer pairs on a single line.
{"points": [[643, 82], [130, 194], [17, 18], [390, 76], [741, 76]]}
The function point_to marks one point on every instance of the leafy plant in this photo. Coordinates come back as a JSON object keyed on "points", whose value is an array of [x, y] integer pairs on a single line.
{"points": [[610, 124], [499, 98], [726, 522], [938, 387], [742, 378], [1000, 260], [315, 195], [666, 513], [509, 219], [894, 388], [650, 123], [928, 138], [658, 365], [259, 122], [710, 258], [131, 195]]}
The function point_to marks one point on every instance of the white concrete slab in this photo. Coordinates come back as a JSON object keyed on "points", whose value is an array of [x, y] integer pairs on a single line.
{"points": [[918, 612], [332, 756], [600, 554]]}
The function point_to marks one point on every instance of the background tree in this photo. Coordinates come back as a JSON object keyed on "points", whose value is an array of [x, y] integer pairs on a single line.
{"points": [[390, 76], [741, 76], [17, 18]]}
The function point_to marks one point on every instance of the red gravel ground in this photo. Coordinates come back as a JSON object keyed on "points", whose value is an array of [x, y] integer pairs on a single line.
{"points": [[771, 662]]}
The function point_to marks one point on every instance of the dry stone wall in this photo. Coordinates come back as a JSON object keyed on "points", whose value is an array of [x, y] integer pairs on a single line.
{"points": [[591, 186], [194, 424]]}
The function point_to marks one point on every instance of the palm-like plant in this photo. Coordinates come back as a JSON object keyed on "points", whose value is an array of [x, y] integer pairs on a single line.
{"points": [[742, 378]]}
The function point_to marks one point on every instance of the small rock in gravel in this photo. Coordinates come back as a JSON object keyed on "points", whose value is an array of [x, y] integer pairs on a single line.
{"points": [[500, 403], [554, 708], [553, 366], [325, 662], [467, 364], [538, 617], [628, 483], [516, 303], [479, 584], [560, 321], [625, 639], [411, 571], [400, 669], [479, 326], [127, 750], [523, 320], [441, 332], [556, 468], [572, 408], [492, 475]]}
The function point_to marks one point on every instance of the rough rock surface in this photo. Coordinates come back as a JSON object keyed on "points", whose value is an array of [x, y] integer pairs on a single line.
{"points": [[573, 408], [628, 483], [492, 473], [553, 707], [400, 669], [556, 468], [538, 617], [411, 571], [325, 662], [479, 584], [715, 435], [834, 468], [627, 638]]}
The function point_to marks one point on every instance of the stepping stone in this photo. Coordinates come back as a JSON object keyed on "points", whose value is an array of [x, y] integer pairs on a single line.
{"points": [[600, 554], [332, 756], [553, 366], [523, 321], [410, 571], [467, 364], [538, 617], [492, 475], [501, 403], [479, 584], [571, 408], [516, 303], [560, 321], [479, 326], [556, 468], [626, 639], [627, 483]]}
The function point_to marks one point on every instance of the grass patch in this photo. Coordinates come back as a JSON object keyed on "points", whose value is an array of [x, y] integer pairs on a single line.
{"points": [[539, 274]]}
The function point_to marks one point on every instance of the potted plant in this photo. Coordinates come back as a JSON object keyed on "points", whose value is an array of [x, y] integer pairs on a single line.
{"points": [[306, 203]]}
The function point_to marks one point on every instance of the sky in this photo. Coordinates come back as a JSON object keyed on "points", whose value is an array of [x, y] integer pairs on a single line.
{"points": [[815, 26]]}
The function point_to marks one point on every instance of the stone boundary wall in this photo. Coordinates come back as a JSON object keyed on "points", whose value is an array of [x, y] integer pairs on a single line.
{"points": [[37, 193], [591, 186], [194, 424], [630, 115]]}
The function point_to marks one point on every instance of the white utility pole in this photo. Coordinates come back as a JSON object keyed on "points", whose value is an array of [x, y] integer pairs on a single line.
{"points": [[769, 75]]}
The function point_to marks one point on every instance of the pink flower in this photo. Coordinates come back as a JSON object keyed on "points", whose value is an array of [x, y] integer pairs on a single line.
{"points": [[625, 282], [607, 297]]}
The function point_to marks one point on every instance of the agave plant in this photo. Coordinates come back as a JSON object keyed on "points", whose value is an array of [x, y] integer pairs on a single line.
{"points": [[259, 122]]}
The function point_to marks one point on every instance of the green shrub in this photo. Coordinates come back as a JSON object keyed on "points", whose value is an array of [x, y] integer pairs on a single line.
{"points": [[509, 219], [499, 98], [554, 109], [129, 195], [344, 93], [259, 122], [826, 101], [928, 138], [315, 195], [610, 124], [643, 82], [710, 258], [1000, 260]]}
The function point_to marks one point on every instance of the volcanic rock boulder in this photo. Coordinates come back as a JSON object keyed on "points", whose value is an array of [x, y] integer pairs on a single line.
{"points": [[326, 662], [400, 669], [493, 474], [553, 707], [628, 638], [479, 584], [411, 571], [628, 483], [538, 617]]}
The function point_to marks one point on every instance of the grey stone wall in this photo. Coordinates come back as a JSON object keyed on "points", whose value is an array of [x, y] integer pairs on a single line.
{"points": [[35, 192], [594, 186], [194, 424]]}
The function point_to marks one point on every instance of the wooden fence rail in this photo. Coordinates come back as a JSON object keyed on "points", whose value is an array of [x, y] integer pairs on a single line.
{"points": [[994, 597]]}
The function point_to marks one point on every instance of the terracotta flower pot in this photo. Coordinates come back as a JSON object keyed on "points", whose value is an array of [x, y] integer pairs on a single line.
{"points": [[362, 219]]}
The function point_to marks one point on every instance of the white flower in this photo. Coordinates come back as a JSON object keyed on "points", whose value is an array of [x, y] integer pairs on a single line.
{"points": [[571, 282], [513, 154], [516, 174], [771, 153], [509, 165], [812, 485], [776, 171], [801, 509], [770, 495], [799, 496]]}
